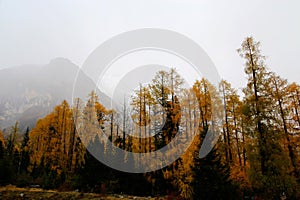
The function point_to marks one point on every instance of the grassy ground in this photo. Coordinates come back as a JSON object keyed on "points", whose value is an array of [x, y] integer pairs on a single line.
{"points": [[14, 193]]}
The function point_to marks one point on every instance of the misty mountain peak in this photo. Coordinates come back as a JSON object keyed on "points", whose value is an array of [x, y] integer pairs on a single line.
{"points": [[32, 87], [59, 60]]}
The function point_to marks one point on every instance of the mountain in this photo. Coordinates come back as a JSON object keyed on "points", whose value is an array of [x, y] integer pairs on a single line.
{"points": [[29, 92]]}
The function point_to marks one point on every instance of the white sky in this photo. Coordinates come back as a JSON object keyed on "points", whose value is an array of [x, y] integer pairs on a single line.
{"points": [[34, 32]]}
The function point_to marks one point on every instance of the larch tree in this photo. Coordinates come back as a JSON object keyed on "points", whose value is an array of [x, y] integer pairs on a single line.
{"points": [[268, 164], [54, 149], [281, 96], [233, 135], [227, 135], [293, 122], [256, 71], [2, 145], [209, 173], [8, 173]]}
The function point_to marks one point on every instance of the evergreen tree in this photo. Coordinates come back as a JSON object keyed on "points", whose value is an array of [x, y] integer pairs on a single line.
{"points": [[211, 176], [25, 159]]}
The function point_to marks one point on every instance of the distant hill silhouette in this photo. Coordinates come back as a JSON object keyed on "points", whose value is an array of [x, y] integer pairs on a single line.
{"points": [[30, 92]]}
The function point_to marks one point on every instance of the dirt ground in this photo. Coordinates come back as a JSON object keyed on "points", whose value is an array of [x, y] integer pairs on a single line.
{"points": [[15, 193]]}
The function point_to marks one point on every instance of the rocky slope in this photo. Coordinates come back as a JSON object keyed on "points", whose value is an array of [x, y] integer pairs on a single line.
{"points": [[29, 92]]}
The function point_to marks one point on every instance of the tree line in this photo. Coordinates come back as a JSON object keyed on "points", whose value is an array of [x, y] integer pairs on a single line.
{"points": [[257, 152]]}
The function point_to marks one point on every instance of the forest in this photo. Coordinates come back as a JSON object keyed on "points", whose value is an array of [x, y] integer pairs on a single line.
{"points": [[256, 153]]}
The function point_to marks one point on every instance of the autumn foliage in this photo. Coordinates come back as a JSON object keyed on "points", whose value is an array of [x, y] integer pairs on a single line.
{"points": [[256, 153]]}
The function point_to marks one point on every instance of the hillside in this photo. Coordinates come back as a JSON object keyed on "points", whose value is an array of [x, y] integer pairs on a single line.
{"points": [[29, 92]]}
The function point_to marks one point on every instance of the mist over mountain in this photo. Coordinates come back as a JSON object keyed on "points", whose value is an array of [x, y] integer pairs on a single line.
{"points": [[29, 92]]}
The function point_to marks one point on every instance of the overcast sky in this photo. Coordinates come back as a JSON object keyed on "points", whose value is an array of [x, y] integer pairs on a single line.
{"points": [[34, 32]]}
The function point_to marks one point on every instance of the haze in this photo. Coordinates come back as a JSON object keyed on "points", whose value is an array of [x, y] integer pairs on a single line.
{"points": [[35, 32]]}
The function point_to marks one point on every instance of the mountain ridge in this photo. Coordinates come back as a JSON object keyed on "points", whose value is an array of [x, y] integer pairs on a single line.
{"points": [[29, 92]]}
